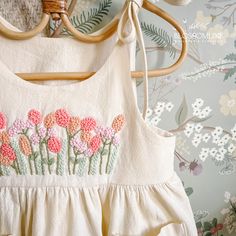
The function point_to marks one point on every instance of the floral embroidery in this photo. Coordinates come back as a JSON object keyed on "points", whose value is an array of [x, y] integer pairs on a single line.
{"points": [[34, 146]]}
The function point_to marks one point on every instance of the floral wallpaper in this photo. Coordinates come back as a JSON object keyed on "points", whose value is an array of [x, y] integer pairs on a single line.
{"points": [[197, 102]]}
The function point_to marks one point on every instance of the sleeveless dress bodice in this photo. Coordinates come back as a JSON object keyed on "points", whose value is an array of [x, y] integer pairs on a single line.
{"points": [[78, 158]]}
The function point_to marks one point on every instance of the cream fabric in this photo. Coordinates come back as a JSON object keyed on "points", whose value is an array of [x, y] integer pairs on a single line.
{"points": [[133, 191]]}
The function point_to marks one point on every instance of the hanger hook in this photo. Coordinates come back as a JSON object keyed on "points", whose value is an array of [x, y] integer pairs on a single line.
{"points": [[55, 8]]}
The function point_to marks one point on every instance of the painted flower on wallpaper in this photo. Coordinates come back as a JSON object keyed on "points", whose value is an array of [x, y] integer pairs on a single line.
{"points": [[228, 103], [230, 213], [154, 115], [217, 34], [202, 21]]}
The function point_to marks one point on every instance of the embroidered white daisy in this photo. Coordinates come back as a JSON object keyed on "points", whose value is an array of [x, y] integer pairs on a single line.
{"points": [[231, 148], [169, 106], [213, 152], [198, 127], [206, 137], [204, 154]]}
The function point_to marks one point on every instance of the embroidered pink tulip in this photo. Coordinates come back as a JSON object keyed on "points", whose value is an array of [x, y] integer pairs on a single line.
{"points": [[62, 117], [95, 143], [54, 145], [3, 121], [86, 136], [49, 120], [4, 137], [7, 152], [34, 116], [88, 124], [118, 123], [24, 145], [73, 124]]}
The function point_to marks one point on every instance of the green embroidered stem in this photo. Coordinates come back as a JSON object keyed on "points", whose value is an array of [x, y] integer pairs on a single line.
{"points": [[109, 155], [74, 164], [101, 154], [30, 166], [1, 172], [14, 167], [48, 158], [18, 166], [90, 162], [40, 151], [32, 149], [41, 157], [57, 168], [68, 151]]}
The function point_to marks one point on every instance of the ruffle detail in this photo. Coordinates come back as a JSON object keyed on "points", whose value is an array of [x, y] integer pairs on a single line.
{"points": [[162, 209]]}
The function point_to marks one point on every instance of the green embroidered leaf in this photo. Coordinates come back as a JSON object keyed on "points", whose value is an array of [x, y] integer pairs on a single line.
{"points": [[93, 166], [82, 164], [189, 191], [160, 37], [207, 226], [45, 161], [105, 152], [87, 20], [182, 112], [231, 57], [230, 73], [51, 161], [111, 160]]}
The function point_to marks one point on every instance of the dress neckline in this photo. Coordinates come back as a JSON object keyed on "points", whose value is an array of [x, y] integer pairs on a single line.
{"points": [[100, 74]]}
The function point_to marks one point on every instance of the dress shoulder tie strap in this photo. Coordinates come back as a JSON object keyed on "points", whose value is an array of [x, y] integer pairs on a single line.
{"points": [[130, 15]]}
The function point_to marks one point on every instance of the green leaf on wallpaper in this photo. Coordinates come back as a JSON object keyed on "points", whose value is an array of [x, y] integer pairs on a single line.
{"points": [[87, 20], [214, 222], [230, 73], [231, 57], [198, 120], [160, 37], [189, 191], [182, 112], [207, 225]]}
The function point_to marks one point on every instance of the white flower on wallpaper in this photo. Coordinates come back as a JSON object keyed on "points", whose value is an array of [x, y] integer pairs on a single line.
{"points": [[228, 103], [154, 115], [202, 21]]}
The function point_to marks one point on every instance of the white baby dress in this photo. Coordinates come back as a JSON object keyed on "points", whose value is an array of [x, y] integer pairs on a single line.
{"points": [[77, 158]]}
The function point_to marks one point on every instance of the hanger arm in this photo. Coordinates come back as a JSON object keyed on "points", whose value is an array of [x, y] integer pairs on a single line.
{"points": [[109, 29], [11, 34]]}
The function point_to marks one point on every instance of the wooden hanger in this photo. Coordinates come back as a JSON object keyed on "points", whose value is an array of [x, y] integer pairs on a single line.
{"points": [[57, 9]]}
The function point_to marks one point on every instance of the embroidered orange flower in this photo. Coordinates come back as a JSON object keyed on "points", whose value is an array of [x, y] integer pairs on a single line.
{"points": [[54, 145], [3, 121], [24, 144], [74, 124], [86, 136], [88, 124], [4, 137], [7, 154], [118, 123], [35, 116], [62, 117], [49, 120]]}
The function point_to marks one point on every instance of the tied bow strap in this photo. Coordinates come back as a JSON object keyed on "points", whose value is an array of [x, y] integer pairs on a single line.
{"points": [[130, 13]]}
